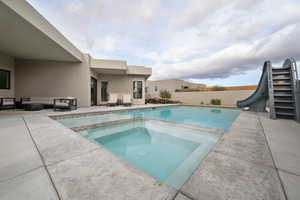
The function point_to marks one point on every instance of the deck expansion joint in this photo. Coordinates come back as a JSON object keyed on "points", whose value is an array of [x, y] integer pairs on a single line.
{"points": [[43, 160], [273, 160]]}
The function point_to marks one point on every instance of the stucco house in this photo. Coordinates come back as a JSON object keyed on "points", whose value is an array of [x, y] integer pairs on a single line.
{"points": [[153, 88], [36, 60]]}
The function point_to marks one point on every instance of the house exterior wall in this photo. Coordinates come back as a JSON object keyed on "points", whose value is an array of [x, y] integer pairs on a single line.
{"points": [[121, 84], [53, 78], [170, 85], [228, 98], [7, 63]]}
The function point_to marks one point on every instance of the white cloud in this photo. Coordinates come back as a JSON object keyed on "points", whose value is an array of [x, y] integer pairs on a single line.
{"points": [[183, 39], [236, 58]]}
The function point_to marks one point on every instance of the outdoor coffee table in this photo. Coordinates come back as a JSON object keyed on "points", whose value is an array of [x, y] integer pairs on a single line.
{"points": [[34, 107]]}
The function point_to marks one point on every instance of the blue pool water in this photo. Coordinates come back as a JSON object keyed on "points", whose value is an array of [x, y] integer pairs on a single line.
{"points": [[168, 153], [198, 116]]}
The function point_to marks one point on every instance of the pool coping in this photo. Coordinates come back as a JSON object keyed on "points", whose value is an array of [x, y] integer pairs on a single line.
{"points": [[115, 122], [91, 113]]}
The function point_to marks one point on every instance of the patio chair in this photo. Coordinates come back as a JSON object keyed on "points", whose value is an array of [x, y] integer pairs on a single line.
{"points": [[113, 100], [69, 103], [127, 100]]}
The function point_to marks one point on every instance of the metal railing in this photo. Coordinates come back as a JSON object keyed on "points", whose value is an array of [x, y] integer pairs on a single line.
{"points": [[295, 73]]}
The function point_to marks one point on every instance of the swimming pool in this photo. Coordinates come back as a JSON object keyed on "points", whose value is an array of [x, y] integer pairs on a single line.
{"points": [[168, 153], [197, 116]]}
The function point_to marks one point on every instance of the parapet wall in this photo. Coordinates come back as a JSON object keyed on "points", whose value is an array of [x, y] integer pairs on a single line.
{"points": [[228, 98]]}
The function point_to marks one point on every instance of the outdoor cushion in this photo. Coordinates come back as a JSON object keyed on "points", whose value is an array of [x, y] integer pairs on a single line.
{"points": [[7, 102], [113, 98], [127, 99], [38, 100], [63, 103]]}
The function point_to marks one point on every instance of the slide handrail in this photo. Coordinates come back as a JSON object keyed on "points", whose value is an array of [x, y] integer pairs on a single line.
{"points": [[295, 73]]}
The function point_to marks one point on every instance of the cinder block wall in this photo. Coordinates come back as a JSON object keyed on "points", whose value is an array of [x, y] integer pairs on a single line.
{"points": [[228, 98]]}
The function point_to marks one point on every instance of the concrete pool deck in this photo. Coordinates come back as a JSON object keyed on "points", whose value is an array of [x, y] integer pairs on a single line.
{"points": [[257, 158]]}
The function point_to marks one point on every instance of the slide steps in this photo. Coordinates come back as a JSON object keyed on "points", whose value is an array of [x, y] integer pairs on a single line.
{"points": [[280, 87]]}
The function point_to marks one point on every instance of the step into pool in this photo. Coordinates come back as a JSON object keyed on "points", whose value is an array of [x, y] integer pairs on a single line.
{"points": [[196, 116], [169, 153]]}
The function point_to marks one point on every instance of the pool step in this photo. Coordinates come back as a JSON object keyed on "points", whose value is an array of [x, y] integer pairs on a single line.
{"points": [[285, 107], [282, 79], [281, 73], [283, 89], [285, 114], [282, 84], [283, 95]]}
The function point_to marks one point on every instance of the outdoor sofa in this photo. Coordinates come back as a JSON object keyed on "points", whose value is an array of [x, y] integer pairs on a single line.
{"points": [[7, 103], [47, 102], [50, 102]]}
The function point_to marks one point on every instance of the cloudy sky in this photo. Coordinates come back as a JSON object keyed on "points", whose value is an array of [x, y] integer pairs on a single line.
{"points": [[217, 42]]}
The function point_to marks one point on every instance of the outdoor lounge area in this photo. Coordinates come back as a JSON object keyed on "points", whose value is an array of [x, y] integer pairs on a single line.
{"points": [[38, 103]]}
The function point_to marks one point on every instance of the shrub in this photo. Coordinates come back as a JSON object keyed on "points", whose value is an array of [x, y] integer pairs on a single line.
{"points": [[217, 88], [165, 94], [201, 102], [160, 101], [215, 101]]}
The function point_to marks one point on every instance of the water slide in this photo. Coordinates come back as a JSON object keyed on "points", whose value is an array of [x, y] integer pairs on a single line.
{"points": [[257, 101]]}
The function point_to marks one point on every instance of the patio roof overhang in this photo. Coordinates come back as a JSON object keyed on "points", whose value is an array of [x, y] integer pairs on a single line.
{"points": [[108, 71], [26, 34], [109, 66], [102, 66]]}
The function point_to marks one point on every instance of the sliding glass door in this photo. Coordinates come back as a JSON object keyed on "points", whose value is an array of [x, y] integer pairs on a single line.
{"points": [[137, 89], [93, 91], [104, 93]]}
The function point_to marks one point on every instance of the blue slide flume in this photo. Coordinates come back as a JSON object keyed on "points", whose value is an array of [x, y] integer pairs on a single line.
{"points": [[257, 101]]}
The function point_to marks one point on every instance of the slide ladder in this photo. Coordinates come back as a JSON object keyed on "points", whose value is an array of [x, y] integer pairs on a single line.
{"points": [[283, 86]]}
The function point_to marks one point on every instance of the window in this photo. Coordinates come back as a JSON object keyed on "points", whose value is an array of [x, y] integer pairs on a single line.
{"points": [[155, 88], [137, 89], [4, 79]]}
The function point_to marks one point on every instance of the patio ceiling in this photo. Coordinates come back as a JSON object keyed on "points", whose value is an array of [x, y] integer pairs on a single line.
{"points": [[28, 35]]}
